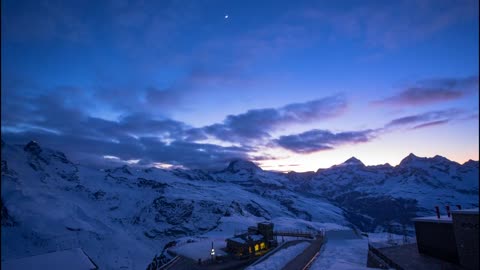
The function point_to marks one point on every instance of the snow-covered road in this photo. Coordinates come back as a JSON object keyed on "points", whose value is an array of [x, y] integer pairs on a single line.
{"points": [[343, 250]]}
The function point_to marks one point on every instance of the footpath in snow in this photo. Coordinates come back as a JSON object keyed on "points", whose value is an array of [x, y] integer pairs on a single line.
{"points": [[343, 251]]}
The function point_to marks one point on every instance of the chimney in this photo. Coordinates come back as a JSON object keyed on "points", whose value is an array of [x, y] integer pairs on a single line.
{"points": [[448, 210], [459, 207], [438, 212]]}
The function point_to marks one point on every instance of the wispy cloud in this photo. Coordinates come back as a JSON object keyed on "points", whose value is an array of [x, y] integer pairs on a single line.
{"points": [[319, 140], [257, 124], [426, 119], [48, 119], [429, 124], [433, 91]]}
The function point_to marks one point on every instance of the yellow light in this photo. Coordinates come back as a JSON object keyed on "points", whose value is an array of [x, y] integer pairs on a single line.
{"points": [[262, 245], [256, 247]]}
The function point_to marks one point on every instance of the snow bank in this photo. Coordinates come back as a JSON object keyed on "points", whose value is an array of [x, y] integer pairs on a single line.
{"points": [[200, 249], [73, 259], [342, 253], [280, 258]]}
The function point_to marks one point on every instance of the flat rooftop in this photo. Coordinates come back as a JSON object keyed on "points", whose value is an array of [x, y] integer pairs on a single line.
{"points": [[408, 258], [473, 211], [434, 219]]}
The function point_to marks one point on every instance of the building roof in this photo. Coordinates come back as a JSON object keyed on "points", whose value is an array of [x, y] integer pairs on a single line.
{"points": [[71, 259], [237, 239], [243, 239], [473, 211], [266, 223], [434, 219], [256, 237]]}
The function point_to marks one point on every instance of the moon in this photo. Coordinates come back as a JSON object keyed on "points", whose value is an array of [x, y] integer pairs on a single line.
{"points": [[226, 16]]}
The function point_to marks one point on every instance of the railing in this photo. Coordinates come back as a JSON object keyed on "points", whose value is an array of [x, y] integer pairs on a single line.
{"points": [[299, 233], [312, 260], [269, 254], [169, 263], [384, 258]]}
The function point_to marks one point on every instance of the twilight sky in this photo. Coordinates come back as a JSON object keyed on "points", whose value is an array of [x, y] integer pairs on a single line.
{"points": [[291, 85]]}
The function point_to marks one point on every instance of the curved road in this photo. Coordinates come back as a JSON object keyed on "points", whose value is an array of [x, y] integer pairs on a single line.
{"points": [[303, 260]]}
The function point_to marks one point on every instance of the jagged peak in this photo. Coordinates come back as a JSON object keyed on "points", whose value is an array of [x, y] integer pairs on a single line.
{"points": [[411, 155], [381, 166], [440, 158], [241, 164], [122, 169], [409, 159], [471, 162], [32, 147], [353, 161], [413, 159]]}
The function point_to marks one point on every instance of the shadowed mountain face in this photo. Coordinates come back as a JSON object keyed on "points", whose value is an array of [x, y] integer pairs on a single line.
{"points": [[47, 199]]}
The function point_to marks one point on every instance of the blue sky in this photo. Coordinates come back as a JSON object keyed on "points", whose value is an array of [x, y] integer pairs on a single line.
{"points": [[292, 85]]}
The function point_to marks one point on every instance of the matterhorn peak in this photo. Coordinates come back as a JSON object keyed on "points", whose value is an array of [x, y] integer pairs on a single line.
{"points": [[33, 147], [124, 169], [241, 164]]}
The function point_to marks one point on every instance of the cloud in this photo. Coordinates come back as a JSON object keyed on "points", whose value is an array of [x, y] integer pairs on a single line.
{"points": [[256, 124], [53, 120], [426, 119], [392, 25], [319, 140], [49, 119], [147, 150], [429, 124], [433, 91]]}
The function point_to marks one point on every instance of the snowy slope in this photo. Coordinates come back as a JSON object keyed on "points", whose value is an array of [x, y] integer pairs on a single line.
{"points": [[342, 251], [52, 204], [122, 217], [375, 195]]}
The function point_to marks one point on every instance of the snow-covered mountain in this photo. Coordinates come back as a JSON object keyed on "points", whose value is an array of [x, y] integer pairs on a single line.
{"points": [[373, 196], [123, 216]]}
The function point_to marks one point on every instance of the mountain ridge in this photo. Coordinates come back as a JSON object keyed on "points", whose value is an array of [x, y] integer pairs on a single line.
{"points": [[47, 199]]}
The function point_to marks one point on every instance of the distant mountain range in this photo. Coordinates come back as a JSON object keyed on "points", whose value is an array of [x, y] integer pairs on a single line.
{"points": [[122, 216]]}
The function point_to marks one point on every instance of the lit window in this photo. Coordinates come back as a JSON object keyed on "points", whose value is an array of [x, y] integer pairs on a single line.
{"points": [[262, 245], [256, 247], [250, 249]]}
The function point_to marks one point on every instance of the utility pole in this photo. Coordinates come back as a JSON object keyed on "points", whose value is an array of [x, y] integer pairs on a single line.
{"points": [[390, 236], [405, 237]]}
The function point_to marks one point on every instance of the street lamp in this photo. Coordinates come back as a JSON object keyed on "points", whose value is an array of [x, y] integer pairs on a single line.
{"points": [[212, 252]]}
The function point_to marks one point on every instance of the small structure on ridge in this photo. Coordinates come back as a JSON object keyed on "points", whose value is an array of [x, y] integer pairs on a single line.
{"points": [[254, 242]]}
